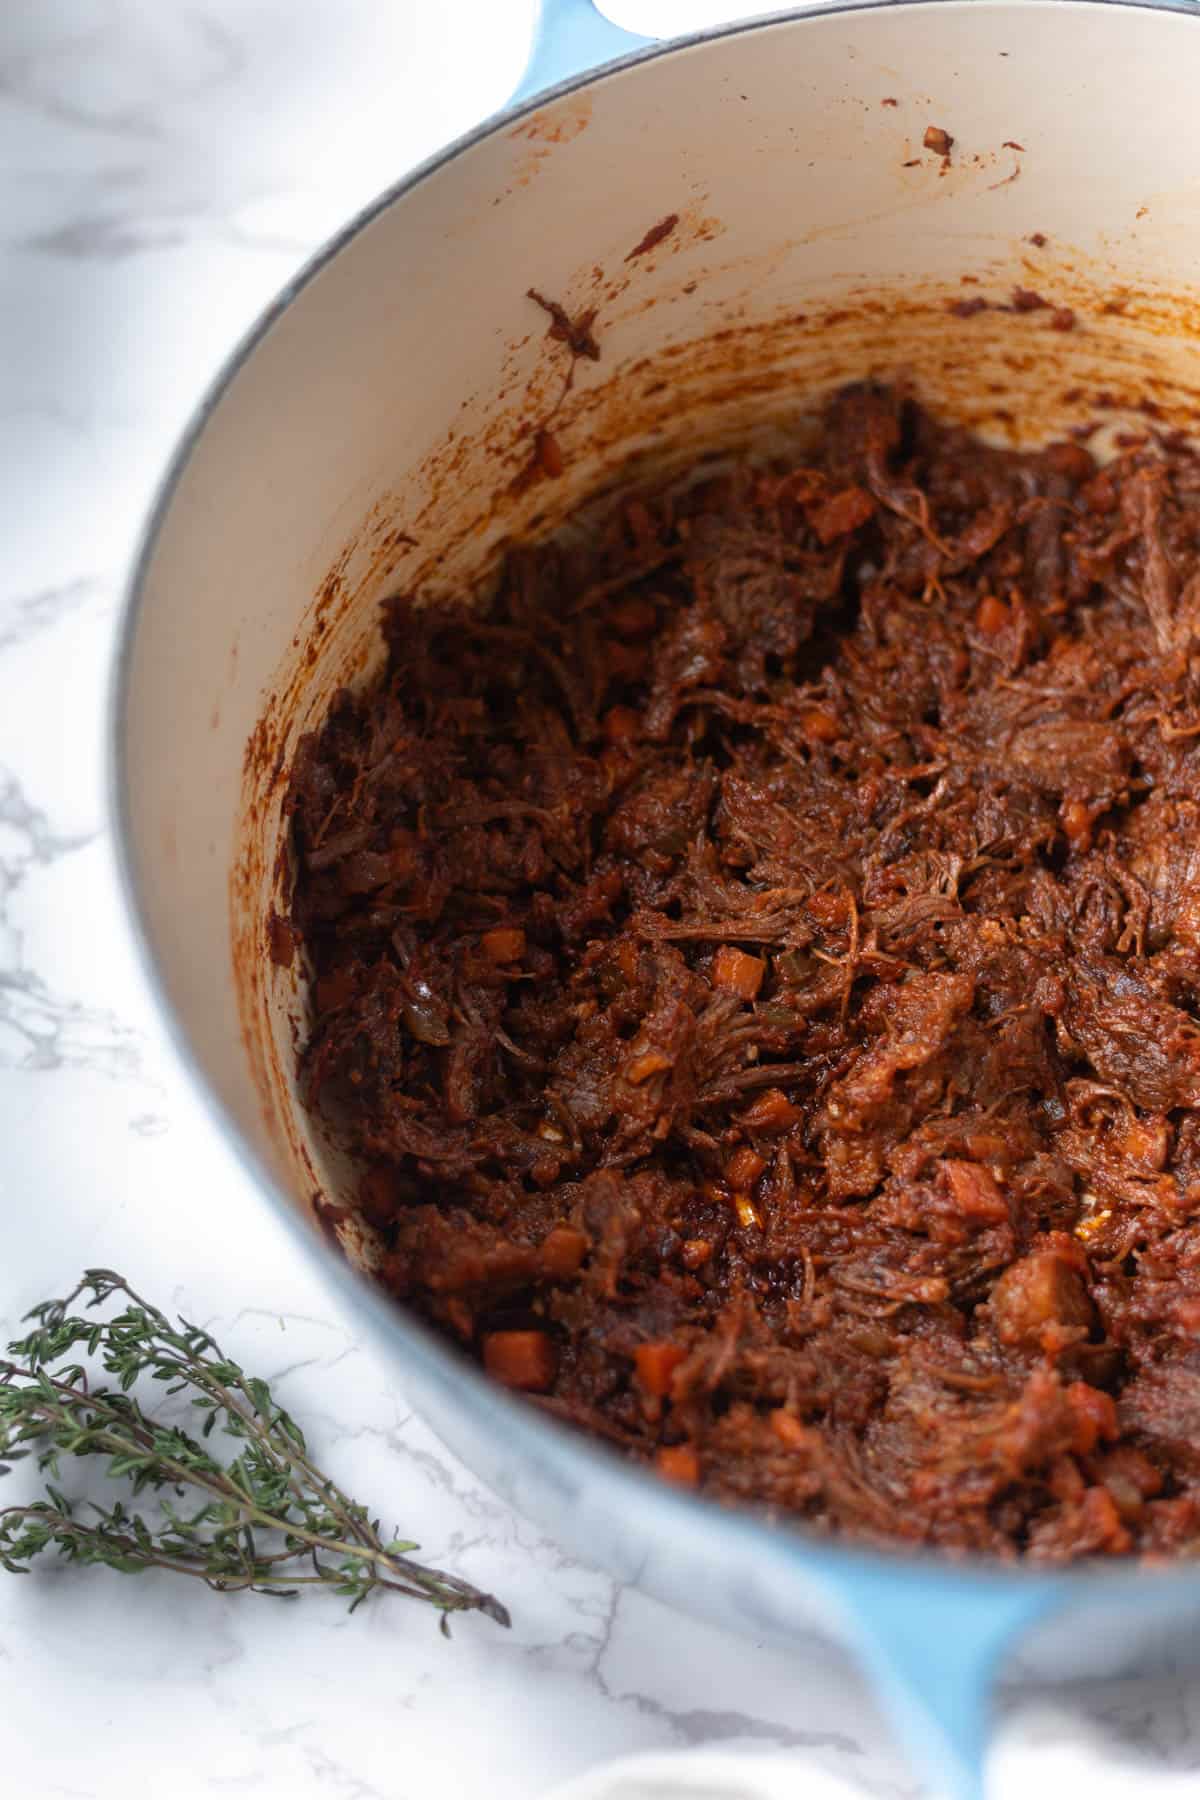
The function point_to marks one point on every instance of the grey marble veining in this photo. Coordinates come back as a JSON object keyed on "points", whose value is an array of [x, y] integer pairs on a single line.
{"points": [[164, 169]]}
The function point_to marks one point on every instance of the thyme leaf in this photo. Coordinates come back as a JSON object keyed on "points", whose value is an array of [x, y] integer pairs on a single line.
{"points": [[264, 1519]]}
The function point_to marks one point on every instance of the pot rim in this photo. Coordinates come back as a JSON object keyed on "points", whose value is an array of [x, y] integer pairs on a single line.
{"points": [[839, 1563]]}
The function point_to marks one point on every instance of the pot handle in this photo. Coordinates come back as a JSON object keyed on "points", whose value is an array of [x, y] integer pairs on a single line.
{"points": [[570, 37], [932, 1653]]}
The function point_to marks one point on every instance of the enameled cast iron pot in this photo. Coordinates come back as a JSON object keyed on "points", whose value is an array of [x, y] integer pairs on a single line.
{"points": [[365, 438]]}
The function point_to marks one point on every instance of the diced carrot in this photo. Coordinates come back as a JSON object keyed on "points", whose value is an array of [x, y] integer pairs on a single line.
{"points": [[695, 1253], [974, 1191], [819, 727], [520, 1359], [1146, 1142], [506, 944], [679, 1463], [788, 1429], [1076, 824], [655, 1364], [1095, 1416], [740, 974], [562, 1251], [827, 908], [620, 724], [771, 1111], [992, 615], [641, 1068], [633, 617], [744, 1167]]}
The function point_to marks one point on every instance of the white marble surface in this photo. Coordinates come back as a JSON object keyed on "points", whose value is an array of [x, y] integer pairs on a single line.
{"points": [[166, 165]]}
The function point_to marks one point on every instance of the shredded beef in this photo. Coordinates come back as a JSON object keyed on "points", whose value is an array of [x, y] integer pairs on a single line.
{"points": [[756, 964]]}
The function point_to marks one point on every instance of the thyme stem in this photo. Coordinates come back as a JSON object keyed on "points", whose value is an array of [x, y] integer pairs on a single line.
{"points": [[268, 1520]]}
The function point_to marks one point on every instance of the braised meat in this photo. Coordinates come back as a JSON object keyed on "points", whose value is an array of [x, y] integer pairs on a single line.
{"points": [[756, 964]]}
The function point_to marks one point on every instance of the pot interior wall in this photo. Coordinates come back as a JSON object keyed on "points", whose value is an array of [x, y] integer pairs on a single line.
{"points": [[379, 435]]}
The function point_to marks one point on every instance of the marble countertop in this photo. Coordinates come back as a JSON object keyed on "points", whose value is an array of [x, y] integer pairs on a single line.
{"points": [[166, 167]]}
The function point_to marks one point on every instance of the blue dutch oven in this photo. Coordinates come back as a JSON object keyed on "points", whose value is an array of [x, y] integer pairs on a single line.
{"points": [[361, 440]]}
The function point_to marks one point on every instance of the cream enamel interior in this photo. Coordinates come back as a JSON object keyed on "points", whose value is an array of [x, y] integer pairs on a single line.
{"points": [[369, 440]]}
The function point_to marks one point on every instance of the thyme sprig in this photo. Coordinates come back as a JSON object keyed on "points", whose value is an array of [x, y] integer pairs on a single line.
{"points": [[267, 1520]]}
